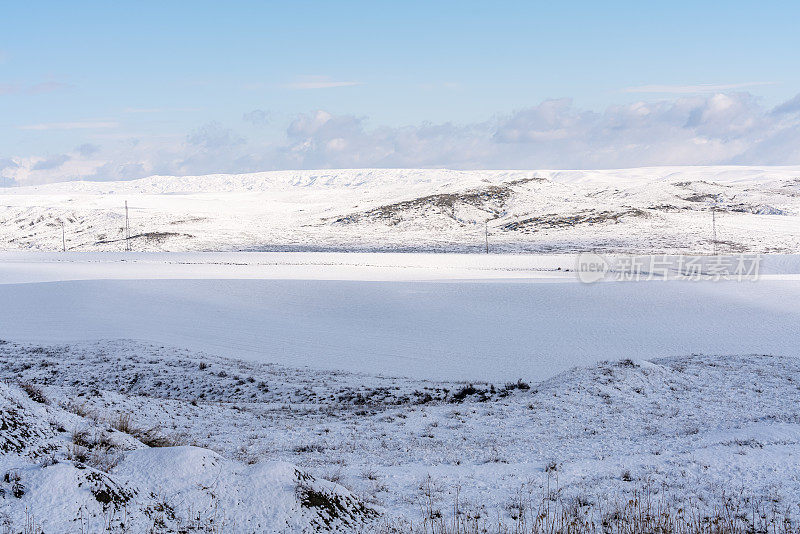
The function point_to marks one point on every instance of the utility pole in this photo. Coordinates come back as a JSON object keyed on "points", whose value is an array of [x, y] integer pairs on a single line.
{"points": [[714, 228], [486, 232], [127, 229], [63, 238]]}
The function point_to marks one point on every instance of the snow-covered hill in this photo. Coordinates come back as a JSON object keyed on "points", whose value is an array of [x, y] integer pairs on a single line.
{"points": [[65, 469], [646, 210], [80, 447]]}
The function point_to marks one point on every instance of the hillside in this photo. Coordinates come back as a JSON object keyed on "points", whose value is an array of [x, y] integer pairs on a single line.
{"points": [[67, 469], [690, 428], [647, 210]]}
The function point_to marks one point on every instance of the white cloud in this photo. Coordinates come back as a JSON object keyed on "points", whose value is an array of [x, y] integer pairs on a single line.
{"points": [[790, 106], [690, 130], [87, 150], [257, 117], [53, 162], [213, 136], [693, 89], [34, 171], [712, 129], [78, 125]]}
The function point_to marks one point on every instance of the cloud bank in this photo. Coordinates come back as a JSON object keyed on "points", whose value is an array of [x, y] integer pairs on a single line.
{"points": [[722, 128]]}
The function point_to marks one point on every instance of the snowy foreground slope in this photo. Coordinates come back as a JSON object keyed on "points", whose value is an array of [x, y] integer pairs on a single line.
{"points": [[316, 392], [124, 443], [647, 210], [66, 470]]}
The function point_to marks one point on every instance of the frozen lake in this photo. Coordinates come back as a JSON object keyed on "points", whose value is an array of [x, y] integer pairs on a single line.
{"points": [[454, 317]]}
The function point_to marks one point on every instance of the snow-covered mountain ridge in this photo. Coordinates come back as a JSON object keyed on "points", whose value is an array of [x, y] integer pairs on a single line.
{"points": [[643, 210], [389, 178]]}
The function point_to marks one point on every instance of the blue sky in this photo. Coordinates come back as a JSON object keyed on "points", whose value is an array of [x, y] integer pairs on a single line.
{"points": [[123, 89]]}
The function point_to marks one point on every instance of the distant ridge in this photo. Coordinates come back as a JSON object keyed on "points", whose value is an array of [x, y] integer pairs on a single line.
{"points": [[649, 210], [360, 178]]}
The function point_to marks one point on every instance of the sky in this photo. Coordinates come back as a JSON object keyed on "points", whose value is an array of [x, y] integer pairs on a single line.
{"points": [[123, 90]]}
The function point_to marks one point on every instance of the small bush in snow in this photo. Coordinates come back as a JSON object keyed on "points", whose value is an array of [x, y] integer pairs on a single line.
{"points": [[154, 438], [369, 473], [462, 393], [335, 475], [102, 459], [80, 437], [309, 447], [522, 385], [47, 461], [77, 409], [77, 453], [123, 423], [34, 392]]}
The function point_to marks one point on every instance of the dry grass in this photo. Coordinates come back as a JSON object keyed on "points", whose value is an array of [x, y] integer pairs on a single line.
{"points": [[78, 409], [77, 453], [151, 437], [97, 450], [34, 392], [643, 512], [123, 423]]}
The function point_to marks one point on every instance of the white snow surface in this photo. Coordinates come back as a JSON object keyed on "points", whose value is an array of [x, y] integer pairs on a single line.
{"points": [[107, 481], [283, 380], [279, 377], [643, 210], [446, 317], [688, 428]]}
